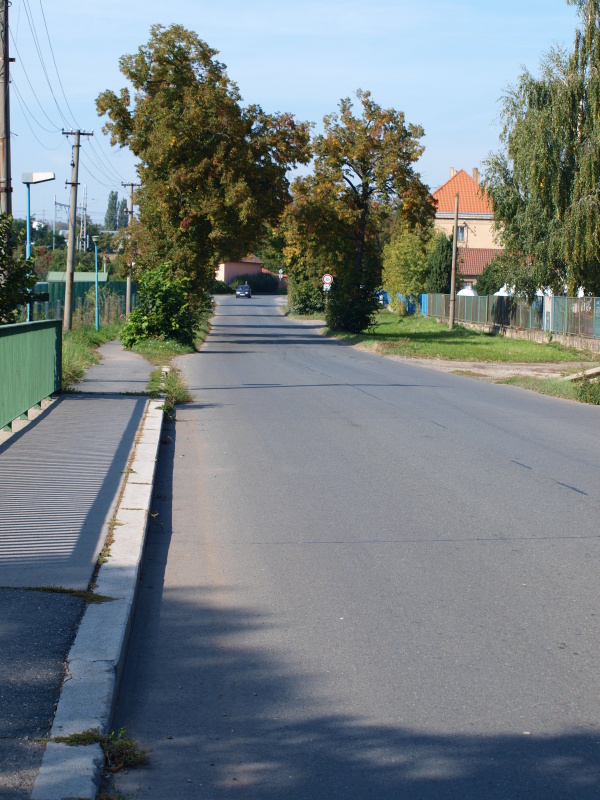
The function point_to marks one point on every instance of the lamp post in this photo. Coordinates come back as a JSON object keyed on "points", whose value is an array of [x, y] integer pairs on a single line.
{"points": [[28, 178], [95, 241]]}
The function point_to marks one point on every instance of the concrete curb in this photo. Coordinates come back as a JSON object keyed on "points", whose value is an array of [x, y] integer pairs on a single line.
{"points": [[96, 658]]}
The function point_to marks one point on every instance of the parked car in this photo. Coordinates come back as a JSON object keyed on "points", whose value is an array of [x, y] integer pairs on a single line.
{"points": [[243, 290]]}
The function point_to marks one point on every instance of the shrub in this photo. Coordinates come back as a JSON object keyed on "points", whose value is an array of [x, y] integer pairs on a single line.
{"points": [[260, 283], [588, 391], [350, 307], [304, 297], [220, 287], [163, 310]]}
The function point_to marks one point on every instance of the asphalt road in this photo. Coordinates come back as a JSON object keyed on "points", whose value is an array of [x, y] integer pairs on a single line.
{"points": [[365, 579]]}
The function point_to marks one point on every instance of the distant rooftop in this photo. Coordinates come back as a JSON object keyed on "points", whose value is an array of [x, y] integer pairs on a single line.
{"points": [[471, 198]]}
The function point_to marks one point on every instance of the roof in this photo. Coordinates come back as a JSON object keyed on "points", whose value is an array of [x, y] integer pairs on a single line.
{"points": [[473, 260], [472, 199]]}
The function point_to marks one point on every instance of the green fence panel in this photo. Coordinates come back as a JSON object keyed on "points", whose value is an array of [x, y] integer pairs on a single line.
{"points": [[30, 366]]}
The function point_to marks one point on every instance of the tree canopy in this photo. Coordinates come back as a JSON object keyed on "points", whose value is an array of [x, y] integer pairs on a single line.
{"points": [[545, 181], [363, 171], [17, 276], [212, 173]]}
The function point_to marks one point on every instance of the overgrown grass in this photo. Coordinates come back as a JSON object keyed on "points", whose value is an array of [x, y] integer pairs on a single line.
{"points": [[553, 387], [160, 351], [79, 349], [172, 385], [423, 337]]}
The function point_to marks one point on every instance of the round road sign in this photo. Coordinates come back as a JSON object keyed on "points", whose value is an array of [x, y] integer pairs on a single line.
{"points": [[327, 279]]}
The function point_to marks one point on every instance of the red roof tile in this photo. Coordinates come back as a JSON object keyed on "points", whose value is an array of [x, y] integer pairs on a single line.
{"points": [[473, 260], [471, 198]]}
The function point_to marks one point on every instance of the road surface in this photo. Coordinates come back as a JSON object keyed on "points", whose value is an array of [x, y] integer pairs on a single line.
{"points": [[365, 579]]}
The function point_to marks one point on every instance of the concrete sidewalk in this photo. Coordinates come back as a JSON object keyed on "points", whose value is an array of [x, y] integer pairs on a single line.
{"points": [[63, 479]]}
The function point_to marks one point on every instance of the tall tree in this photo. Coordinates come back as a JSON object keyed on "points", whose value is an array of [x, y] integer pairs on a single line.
{"points": [[212, 173], [544, 181], [122, 214], [404, 263], [110, 218], [363, 170]]}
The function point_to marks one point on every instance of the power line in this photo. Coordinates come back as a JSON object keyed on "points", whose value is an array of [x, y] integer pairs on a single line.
{"points": [[55, 66], [26, 111], [29, 16], [22, 65]]}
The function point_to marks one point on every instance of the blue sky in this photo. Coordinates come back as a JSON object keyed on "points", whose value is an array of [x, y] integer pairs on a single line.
{"points": [[444, 63]]}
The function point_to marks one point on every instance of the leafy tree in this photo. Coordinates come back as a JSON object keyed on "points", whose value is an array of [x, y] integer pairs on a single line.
{"points": [[491, 278], [212, 173], [163, 311], [363, 171], [544, 181], [439, 266], [404, 263], [111, 216], [122, 215], [17, 276]]}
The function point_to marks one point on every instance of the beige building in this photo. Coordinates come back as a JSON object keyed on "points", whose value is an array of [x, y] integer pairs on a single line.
{"points": [[232, 269], [476, 238]]}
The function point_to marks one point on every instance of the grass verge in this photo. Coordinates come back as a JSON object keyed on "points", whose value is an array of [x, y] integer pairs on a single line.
{"points": [[79, 350], [553, 387], [422, 337], [320, 316], [172, 385]]}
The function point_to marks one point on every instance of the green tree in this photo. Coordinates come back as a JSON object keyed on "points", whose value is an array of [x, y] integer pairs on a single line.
{"points": [[17, 276], [491, 278], [111, 216], [544, 180], [404, 263], [122, 215], [363, 172], [212, 173], [439, 266]]}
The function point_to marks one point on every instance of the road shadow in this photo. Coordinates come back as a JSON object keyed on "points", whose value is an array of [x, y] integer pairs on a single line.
{"points": [[227, 718]]}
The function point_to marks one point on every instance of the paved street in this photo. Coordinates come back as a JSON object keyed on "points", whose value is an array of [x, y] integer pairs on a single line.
{"points": [[365, 579]]}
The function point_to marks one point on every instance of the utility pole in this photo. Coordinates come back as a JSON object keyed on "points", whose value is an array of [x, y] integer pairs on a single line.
{"points": [[131, 187], [67, 318], [453, 278], [5, 172]]}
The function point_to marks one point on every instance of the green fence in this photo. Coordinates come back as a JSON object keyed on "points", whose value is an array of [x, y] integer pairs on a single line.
{"points": [[30, 366], [507, 312]]}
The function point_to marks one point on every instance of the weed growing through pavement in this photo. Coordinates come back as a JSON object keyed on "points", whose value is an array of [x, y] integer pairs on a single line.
{"points": [[87, 595], [120, 750]]}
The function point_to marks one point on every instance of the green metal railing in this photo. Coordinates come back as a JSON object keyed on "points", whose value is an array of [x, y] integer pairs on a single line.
{"points": [[30, 366]]}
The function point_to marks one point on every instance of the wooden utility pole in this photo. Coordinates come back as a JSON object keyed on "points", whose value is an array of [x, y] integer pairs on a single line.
{"points": [[453, 278], [5, 171], [131, 187], [68, 313]]}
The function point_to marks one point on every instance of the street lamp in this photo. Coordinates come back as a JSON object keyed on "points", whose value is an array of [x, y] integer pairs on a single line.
{"points": [[95, 241], [28, 178]]}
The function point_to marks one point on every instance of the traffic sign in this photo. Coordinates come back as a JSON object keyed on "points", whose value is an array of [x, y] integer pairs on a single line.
{"points": [[327, 279], [280, 274]]}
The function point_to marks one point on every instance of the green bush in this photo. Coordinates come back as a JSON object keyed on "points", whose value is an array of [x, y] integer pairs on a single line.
{"points": [[350, 308], [220, 287], [304, 297], [260, 283], [588, 391], [163, 310]]}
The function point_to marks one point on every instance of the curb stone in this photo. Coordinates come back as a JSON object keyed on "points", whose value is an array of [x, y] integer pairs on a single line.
{"points": [[95, 661]]}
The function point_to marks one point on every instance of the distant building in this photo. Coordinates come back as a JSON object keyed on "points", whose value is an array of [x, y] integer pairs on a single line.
{"points": [[232, 269], [476, 237]]}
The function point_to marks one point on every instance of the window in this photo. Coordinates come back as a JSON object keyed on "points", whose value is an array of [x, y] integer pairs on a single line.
{"points": [[461, 233]]}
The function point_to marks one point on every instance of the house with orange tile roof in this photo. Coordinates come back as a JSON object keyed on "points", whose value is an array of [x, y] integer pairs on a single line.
{"points": [[476, 237]]}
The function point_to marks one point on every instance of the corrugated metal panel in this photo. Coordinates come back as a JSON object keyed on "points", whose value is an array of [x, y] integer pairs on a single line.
{"points": [[30, 366]]}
